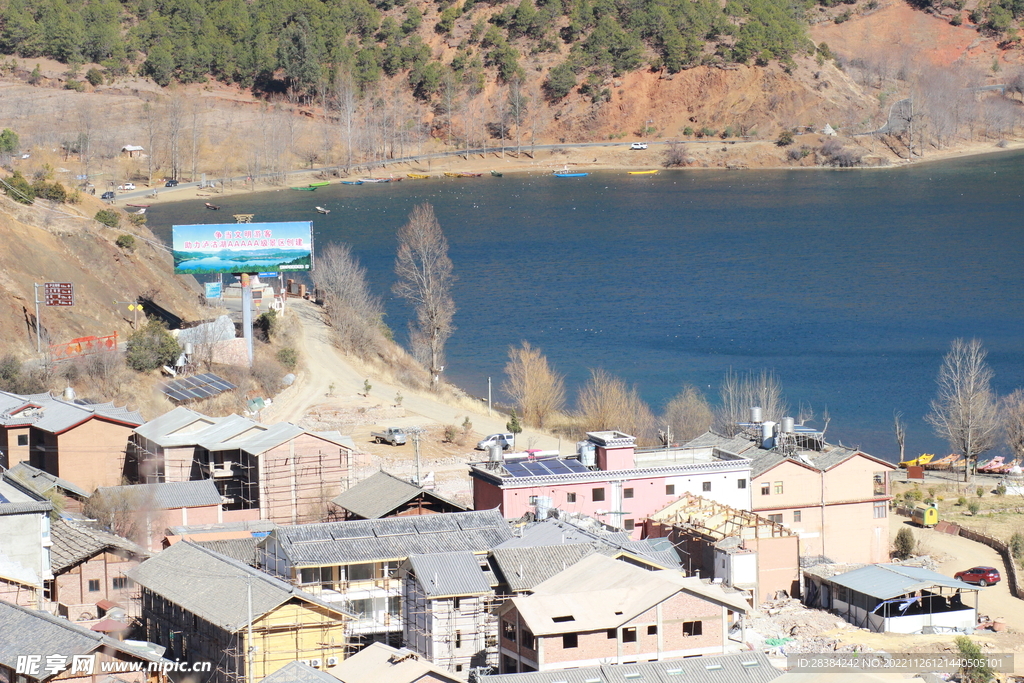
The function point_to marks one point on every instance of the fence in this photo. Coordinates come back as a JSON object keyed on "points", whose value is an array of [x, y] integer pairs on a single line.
{"points": [[83, 346]]}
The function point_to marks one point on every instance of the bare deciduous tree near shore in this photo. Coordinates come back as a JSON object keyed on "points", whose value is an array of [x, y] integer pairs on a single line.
{"points": [[1013, 422], [688, 415], [965, 411], [605, 402], [899, 428], [537, 391], [425, 278], [740, 393], [355, 313]]}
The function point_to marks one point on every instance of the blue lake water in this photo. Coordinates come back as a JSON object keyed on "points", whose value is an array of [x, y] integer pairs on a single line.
{"points": [[849, 284]]}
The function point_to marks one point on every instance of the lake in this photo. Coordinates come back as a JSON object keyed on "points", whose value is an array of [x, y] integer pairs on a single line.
{"points": [[849, 284]]}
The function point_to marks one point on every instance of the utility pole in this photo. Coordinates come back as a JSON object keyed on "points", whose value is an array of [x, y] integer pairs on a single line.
{"points": [[488, 397], [35, 290], [248, 638], [416, 431]]}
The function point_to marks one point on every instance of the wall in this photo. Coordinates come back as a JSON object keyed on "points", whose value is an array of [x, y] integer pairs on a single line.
{"points": [[23, 555], [296, 630], [299, 478], [9, 445], [71, 589], [93, 453]]}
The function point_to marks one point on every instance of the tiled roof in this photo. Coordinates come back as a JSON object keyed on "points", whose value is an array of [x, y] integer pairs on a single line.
{"points": [[55, 415], [379, 663], [74, 543], [743, 667], [16, 499], [39, 481], [367, 540], [381, 493], [449, 574], [299, 672], [215, 587], [171, 495], [523, 568], [241, 549], [175, 428]]}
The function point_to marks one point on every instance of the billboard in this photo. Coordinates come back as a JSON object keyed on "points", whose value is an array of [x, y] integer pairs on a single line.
{"points": [[242, 247], [213, 290]]}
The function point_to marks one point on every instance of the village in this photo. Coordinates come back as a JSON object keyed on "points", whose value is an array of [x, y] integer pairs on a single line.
{"points": [[274, 547]]}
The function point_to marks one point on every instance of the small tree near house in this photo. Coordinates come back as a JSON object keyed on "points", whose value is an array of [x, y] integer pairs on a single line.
{"points": [[904, 545]]}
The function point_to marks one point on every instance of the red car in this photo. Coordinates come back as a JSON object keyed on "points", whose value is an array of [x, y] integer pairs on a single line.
{"points": [[983, 576]]}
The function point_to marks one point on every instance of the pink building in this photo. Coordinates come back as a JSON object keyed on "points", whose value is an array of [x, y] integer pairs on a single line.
{"points": [[611, 481], [603, 611]]}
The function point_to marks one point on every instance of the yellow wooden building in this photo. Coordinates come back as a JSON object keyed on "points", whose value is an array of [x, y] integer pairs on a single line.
{"points": [[206, 607]]}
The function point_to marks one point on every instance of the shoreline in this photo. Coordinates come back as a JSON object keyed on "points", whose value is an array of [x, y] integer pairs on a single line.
{"points": [[576, 159]]}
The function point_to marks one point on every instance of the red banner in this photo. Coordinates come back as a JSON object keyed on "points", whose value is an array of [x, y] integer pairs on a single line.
{"points": [[83, 346]]}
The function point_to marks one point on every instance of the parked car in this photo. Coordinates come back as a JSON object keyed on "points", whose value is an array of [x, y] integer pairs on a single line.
{"points": [[171, 183], [983, 576], [109, 194], [392, 435], [504, 440], [638, 145], [126, 186]]}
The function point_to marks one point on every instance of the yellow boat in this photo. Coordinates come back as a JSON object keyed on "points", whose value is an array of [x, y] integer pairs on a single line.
{"points": [[922, 459], [643, 173], [417, 176]]}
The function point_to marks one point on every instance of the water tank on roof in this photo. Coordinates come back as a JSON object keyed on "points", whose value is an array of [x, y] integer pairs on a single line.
{"points": [[768, 435], [755, 414], [787, 425], [494, 453], [69, 394], [544, 504], [588, 454], [188, 349]]}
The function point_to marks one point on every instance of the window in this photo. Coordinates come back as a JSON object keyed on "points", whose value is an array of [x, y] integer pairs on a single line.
{"points": [[456, 604], [570, 640], [878, 483], [629, 635], [612, 634], [22, 439], [509, 665], [395, 605], [627, 493], [94, 585], [361, 607], [562, 620], [741, 483], [570, 498], [360, 572], [533, 500], [652, 630], [775, 518], [597, 495], [705, 486], [121, 582], [458, 639], [629, 525], [508, 631], [458, 668], [693, 628], [778, 488], [670, 489], [841, 593], [766, 488], [880, 509], [796, 515], [528, 640]]}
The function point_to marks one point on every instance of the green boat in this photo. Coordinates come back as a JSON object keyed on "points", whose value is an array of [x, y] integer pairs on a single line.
{"points": [[496, 174], [304, 189], [320, 184]]}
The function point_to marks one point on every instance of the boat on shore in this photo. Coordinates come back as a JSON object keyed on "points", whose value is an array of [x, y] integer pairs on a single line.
{"points": [[559, 174], [304, 189], [139, 206], [643, 173], [211, 207], [497, 174], [322, 183], [351, 182], [417, 176], [321, 209], [381, 180], [462, 175]]}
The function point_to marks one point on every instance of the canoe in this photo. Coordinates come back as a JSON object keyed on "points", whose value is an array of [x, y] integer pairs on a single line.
{"points": [[139, 206], [417, 176], [463, 175], [321, 209], [571, 175], [211, 207], [304, 189], [380, 180], [351, 182], [496, 174], [643, 172], [322, 183]]}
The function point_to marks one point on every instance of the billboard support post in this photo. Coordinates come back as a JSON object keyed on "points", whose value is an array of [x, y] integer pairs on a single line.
{"points": [[247, 315]]}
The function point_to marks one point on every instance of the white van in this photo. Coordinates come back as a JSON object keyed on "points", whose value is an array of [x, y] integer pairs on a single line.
{"points": [[504, 440]]}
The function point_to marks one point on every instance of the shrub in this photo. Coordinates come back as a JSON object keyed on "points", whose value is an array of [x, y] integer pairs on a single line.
{"points": [[108, 217], [785, 138], [17, 188], [688, 131], [266, 323], [973, 507], [450, 432], [980, 491], [1001, 489], [72, 84], [151, 346], [956, 20], [288, 357], [961, 501], [94, 76], [1017, 546], [904, 545], [914, 494], [55, 192], [126, 242]]}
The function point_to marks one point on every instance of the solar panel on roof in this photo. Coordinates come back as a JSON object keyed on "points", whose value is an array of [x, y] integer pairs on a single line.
{"points": [[516, 469], [196, 388]]}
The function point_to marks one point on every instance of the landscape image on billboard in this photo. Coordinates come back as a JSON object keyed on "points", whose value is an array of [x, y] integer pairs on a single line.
{"points": [[242, 247]]}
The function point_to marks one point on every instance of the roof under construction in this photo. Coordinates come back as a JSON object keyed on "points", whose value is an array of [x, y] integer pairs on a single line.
{"points": [[718, 521]]}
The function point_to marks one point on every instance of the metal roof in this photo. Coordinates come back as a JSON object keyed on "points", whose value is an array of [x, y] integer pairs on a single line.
{"points": [[743, 667], [55, 415], [74, 543], [196, 387], [379, 663], [215, 587], [299, 672], [176, 428], [40, 482], [442, 575], [28, 631], [380, 494], [170, 495], [885, 581], [259, 441], [241, 549], [367, 540]]}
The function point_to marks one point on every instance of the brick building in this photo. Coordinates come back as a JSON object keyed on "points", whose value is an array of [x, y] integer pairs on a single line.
{"points": [[385, 495]]}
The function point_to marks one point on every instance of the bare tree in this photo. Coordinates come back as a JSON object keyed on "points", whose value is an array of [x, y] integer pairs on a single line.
{"points": [[195, 115], [965, 411], [518, 103], [348, 104], [425, 279], [605, 402], [687, 416], [1013, 422], [537, 391], [355, 313], [151, 125], [899, 428], [739, 393], [126, 511], [174, 120]]}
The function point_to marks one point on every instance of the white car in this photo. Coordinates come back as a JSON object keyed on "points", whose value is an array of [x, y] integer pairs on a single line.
{"points": [[638, 145], [126, 186]]}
